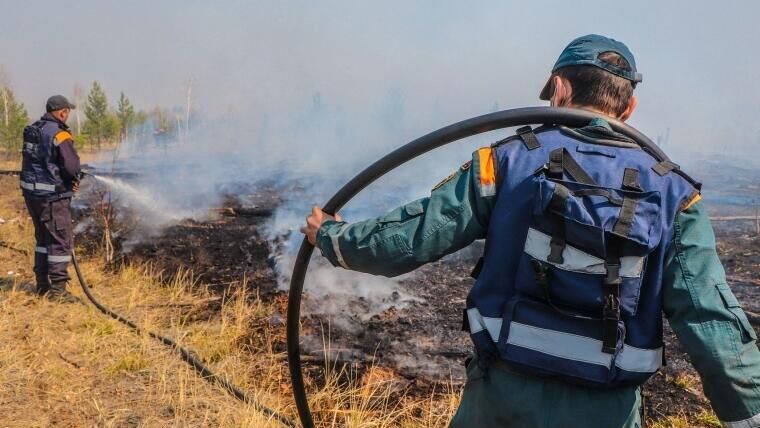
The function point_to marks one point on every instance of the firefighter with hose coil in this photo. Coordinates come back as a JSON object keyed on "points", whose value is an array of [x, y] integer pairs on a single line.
{"points": [[589, 240]]}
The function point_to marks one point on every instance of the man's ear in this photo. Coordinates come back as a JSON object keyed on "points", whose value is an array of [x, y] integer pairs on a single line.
{"points": [[632, 103], [563, 92]]}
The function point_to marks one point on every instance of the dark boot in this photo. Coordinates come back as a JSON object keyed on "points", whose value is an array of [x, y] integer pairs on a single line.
{"points": [[42, 289], [58, 293]]}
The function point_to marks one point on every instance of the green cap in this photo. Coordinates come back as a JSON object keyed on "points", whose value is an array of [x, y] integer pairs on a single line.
{"points": [[585, 50]]}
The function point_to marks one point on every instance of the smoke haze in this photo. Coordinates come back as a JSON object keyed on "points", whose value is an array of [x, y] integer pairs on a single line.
{"points": [[445, 60], [303, 95]]}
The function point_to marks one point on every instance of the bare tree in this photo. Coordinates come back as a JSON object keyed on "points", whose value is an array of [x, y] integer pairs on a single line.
{"points": [[4, 83], [78, 100], [188, 103]]}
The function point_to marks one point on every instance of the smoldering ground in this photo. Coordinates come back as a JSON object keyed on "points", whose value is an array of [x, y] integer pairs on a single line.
{"points": [[302, 159], [295, 99]]}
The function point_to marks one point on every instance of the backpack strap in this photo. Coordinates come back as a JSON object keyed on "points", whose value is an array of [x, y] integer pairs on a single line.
{"points": [[664, 167], [625, 219], [631, 180], [628, 209], [558, 242], [528, 137], [561, 161]]}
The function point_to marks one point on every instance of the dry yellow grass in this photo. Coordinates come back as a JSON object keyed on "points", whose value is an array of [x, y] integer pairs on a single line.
{"points": [[71, 366]]}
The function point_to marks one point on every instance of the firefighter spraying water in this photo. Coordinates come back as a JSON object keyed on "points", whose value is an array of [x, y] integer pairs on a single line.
{"points": [[49, 177]]}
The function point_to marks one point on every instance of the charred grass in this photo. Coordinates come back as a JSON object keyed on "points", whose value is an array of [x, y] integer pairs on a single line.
{"points": [[71, 366], [210, 285]]}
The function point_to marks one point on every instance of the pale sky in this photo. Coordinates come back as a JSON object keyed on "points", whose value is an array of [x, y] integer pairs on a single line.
{"points": [[445, 61]]}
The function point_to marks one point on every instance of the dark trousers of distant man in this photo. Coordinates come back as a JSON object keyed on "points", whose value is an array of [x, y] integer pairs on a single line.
{"points": [[53, 232]]}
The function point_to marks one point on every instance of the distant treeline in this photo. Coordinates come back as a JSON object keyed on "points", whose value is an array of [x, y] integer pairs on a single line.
{"points": [[95, 123]]}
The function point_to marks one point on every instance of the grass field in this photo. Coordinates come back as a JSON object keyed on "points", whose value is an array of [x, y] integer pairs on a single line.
{"points": [[70, 366]]}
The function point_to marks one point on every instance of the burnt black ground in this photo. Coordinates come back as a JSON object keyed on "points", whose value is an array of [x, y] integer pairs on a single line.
{"points": [[421, 341]]}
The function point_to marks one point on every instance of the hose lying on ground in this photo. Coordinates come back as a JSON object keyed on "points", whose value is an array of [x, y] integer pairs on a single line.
{"points": [[467, 128], [184, 353]]}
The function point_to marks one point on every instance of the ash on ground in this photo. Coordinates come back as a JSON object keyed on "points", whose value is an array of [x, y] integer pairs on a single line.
{"points": [[410, 325]]}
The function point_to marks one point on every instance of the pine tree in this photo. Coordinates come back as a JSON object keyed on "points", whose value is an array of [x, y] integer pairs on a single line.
{"points": [[125, 113], [101, 125], [13, 119]]}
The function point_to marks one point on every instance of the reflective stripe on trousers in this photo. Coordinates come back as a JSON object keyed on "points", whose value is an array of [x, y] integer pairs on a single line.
{"points": [[59, 259], [53, 232]]}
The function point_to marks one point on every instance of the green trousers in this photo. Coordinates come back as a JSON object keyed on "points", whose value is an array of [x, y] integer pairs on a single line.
{"points": [[500, 398]]}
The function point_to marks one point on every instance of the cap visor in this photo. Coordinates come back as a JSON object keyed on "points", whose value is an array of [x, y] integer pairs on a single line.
{"points": [[546, 93]]}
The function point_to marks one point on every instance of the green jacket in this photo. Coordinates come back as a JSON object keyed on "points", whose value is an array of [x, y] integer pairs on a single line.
{"points": [[698, 303]]}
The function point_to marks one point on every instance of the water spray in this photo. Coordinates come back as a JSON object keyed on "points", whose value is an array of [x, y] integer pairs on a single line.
{"points": [[467, 128], [185, 354]]}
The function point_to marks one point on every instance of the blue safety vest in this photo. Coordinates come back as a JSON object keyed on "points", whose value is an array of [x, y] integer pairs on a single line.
{"points": [[40, 174], [571, 281]]}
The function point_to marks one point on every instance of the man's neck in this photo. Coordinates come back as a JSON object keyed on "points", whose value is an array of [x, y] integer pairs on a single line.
{"points": [[55, 117], [602, 114]]}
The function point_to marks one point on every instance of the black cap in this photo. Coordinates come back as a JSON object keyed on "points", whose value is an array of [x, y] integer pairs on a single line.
{"points": [[58, 102]]}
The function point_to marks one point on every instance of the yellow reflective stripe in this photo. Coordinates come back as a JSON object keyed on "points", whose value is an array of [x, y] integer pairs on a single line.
{"points": [[61, 137], [486, 172], [694, 200]]}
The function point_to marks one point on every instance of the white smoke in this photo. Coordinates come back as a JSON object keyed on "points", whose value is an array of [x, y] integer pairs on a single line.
{"points": [[303, 157]]}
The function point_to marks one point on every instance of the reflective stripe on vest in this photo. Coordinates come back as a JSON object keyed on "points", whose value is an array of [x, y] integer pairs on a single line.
{"points": [[584, 349], [479, 323], [537, 245], [37, 186], [40, 250], [565, 345]]}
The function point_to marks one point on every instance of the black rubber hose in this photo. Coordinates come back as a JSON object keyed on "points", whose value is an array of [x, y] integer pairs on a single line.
{"points": [[478, 125], [184, 353]]}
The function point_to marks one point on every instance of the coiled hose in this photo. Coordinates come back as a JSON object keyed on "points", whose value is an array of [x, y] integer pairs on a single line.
{"points": [[489, 122], [203, 370]]}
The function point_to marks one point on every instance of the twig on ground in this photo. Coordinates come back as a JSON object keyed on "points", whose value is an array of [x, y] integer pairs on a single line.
{"points": [[12, 248], [181, 304], [71, 362]]}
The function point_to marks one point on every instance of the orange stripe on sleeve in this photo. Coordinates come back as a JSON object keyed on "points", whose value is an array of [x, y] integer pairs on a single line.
{"points": [[61, 137], [486, 172], [696, 198]]}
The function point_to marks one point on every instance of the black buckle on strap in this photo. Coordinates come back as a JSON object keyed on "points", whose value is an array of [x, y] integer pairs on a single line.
{"points": [[541, 273], [556, 246], [611, 311]]}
